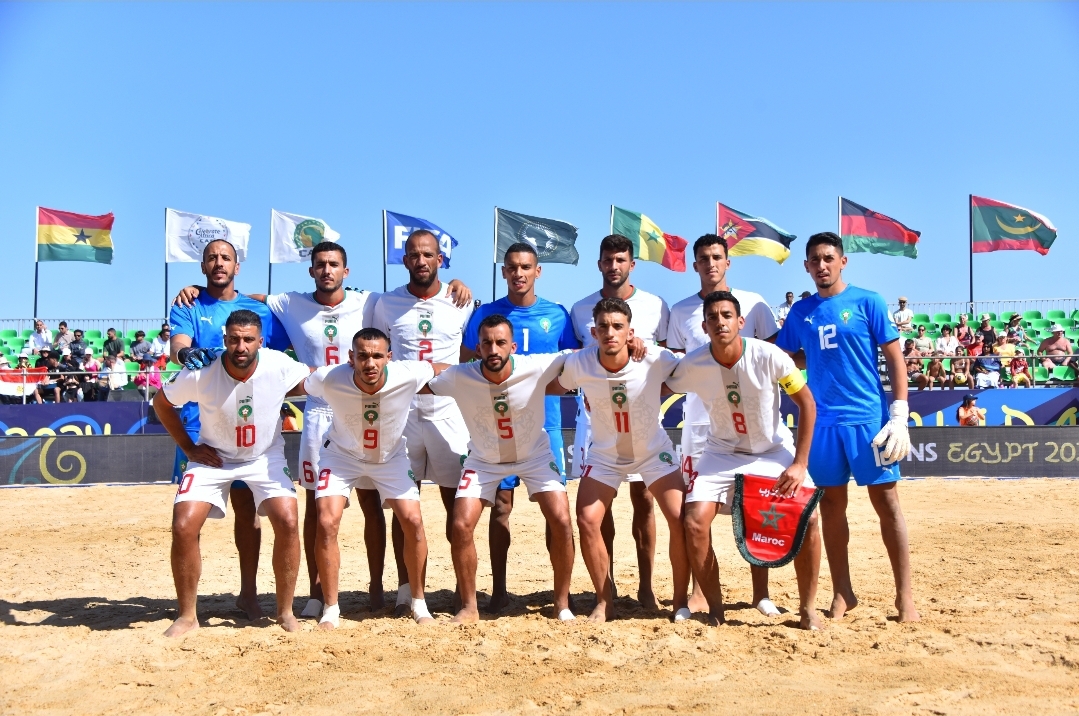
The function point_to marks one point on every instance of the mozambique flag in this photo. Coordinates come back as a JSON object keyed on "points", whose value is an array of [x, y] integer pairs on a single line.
{"points": [[996, 226], [865, 230], [649, 241], [751, 235], [63, 236]]}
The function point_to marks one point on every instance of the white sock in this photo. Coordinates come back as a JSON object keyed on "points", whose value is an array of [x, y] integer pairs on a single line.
{"points": [[404, 594], [766, 608], [683, 614], [419, 609], [566, 615], [313, 608], [331, 614]]}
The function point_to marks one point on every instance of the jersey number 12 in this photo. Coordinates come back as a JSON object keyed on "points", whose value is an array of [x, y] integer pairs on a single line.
{"points": [[827, 337]]}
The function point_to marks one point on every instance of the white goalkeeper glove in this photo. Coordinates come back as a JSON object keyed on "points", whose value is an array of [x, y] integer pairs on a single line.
{"points": [[894, 436]]}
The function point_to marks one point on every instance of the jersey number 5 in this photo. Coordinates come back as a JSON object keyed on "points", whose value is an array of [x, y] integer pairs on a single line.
{"points": [[245, 435], [827, 337], [505, 429]]}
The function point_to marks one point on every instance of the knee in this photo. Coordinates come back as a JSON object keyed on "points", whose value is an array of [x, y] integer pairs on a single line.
{"points": [[696, 528], [327, 527], [286, 522], [184, 529]]}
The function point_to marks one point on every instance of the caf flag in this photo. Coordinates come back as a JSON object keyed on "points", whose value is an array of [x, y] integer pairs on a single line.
{"points": [[186, 235], [397, 227], [293, 236], [553, 240]]}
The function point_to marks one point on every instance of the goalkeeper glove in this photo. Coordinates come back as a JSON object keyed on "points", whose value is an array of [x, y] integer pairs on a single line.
{"points": [[196, 358], [894, 436]]}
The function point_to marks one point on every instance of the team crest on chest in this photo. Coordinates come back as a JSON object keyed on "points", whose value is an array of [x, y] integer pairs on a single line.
{"points": [[501, 404], [733, 396], [425, 325], [619, 394], [370, 413], [545, 324], [330, 329], [845, 315], [245, 409]]}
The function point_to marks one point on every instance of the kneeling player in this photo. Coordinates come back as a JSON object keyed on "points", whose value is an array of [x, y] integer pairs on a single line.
{"points": [[502, 399], [239, 399], [365, 450], [624, 397], [737, 380]]}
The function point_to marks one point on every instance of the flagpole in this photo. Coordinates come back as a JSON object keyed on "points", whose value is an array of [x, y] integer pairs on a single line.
{"points": [[494, 259], [37, 251], [611, 230], [970, 225], [839, 215], [166, 263], [269, 280], [384, 251]]}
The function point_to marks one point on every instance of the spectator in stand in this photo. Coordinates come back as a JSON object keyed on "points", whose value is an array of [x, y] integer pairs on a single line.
{"points": [[50, 387], [915, 372], [1016, 334], [159, 348], [1004, 349], [1020, 370], [961, 377], [288, 419], [78, 347], [963, 334], [43, 357], [141, 347], [90, 368], [903, 317], [113, 346], [805, 294], [784, 308], [987, 371], [988, 334], [936, 372], [103, 386], [117, 375], [6, 399], [1056, 349], [148, 377], [923, 343], [71, 374], [968, 414], [947, 344], [62, 338], [40, 338]]}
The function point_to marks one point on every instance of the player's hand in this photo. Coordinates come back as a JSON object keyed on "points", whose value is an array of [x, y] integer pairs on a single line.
{"points": [[895, 436], [204, 455], [462, 294], [197, 358], [790, 480], [186, 296], [638, 349]]}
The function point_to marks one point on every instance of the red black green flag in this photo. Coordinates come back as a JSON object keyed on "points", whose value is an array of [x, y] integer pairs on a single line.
{"points": [[996, 226], [865, 230]]}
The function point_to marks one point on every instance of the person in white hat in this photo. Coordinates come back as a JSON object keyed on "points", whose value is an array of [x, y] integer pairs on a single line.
{"points": [[903, 317], [1056, 349]]}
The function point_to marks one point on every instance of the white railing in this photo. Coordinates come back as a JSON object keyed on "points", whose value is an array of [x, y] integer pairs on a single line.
{"points": [[29, 387], [122, 325]]}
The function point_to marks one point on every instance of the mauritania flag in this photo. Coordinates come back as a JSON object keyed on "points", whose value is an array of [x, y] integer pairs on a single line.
{"points": [[865, 230], [649, 241], [186, 235], [64, 236], [553, 240], [293, 236], [752, 235], [397, 227], [996, 226]]}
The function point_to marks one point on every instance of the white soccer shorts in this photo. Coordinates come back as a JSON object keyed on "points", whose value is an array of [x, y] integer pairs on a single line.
{"points": [[714, 481], [648, 470], [317, 420], [481, 479], [340, 475], [437, 448], [582, 438], [266, 476], [694, 439]]}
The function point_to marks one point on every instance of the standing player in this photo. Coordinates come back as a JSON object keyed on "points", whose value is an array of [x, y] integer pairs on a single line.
{"points": [[424, 324], [685, 334], [197, 330], [502, 397], [365, 449], [627, 439], [737, 382], [539, 326], [839, 330], [239, 399], [615, 264]]}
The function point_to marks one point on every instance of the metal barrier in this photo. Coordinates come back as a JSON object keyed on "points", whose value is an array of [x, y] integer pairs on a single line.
{"points": [[24, 389], [122, 325]]}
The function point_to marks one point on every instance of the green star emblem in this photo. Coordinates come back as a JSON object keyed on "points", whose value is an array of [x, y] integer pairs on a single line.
{"points": [[371, 416], [652, 236], [845, 315], [771, 517], [502, 407], [666, 457], [619, 399]]}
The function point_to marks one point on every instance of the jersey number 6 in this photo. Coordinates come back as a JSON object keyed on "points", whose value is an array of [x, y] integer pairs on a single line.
{"points": [[332, 355]]}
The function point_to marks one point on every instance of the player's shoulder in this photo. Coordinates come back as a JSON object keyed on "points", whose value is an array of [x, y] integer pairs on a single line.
{"points": [[748, 299], [763, 349], [586, 303], [802, 308], [686, 306], [644, 298], [856, 294]]}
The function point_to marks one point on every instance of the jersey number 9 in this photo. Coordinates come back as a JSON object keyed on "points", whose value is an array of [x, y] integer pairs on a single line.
{"points": [[370, 439]]}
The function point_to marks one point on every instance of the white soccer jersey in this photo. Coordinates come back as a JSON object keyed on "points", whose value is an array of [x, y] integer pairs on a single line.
{"points": [[685, 332], [369, 427], [742, 401], [505, 420], [649, 322], [242, 420], [624, 405], [424, 329]]}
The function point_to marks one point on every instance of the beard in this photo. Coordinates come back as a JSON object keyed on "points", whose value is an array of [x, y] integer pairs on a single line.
{"points": [[242, 362], [424, 282], [498, 361]]}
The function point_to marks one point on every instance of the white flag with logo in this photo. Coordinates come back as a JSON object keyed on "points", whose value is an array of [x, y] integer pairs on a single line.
{"points": [[293, 236], [186, 235]]}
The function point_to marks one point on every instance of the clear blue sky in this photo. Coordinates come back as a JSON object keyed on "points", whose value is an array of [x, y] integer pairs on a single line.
{"points": [[445, 111]]}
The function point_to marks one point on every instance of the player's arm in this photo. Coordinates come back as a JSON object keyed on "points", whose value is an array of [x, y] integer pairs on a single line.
{"points": [[556, 388], [170, 420], [177, 343], [638, 349], [300, 388], [188, 294], [426, 389], [467, 354], [461, 294], [792, 478]]}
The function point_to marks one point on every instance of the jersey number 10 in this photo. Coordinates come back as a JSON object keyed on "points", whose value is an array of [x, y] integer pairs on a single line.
{"points": [[245, 435]]}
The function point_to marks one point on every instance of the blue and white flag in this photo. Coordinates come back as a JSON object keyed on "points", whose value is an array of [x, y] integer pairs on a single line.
{"points": [[399, 226]]}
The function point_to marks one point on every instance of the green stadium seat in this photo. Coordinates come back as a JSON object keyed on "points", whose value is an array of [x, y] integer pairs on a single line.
{"points": [[941, 318], [1056, 315], [27, 332], [921, 318], [1041, 374], [9, 333], [1064, 374], [150, 336], [132, 368], [1031, 315], [998, 326], [1042, 324], [947, 362], [1072, 334], [130, 335], [1075, 316], [92, 335]]}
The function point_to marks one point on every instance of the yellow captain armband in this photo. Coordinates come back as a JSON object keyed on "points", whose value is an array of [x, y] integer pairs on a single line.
{"points": [[792, 383]]}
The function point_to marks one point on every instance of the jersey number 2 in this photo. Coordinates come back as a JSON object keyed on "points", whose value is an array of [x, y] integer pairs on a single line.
{"points": [[245, 435], [426, 349]]}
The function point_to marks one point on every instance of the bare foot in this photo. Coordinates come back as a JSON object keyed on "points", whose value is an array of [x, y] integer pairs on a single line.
{"points": [[602, 613], [497, 603], [455, 604], [465, 616], [249, 605], [647, 598], [697, 602], [842, 603], [182, 626], [907, 611], [810, 620], [402, 610], [429, 620], [288, 622], [326, 626], [375, 598], [716, 618]]}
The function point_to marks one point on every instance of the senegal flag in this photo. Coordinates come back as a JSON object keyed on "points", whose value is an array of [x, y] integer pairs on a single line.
{"points": [[865, 230], [649, 241], [751, 235], [996, 226], [63, 236]]}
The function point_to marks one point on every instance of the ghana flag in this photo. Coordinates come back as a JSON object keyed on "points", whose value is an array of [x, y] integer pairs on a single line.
{"points": [[751, 235], [649, 241], [865, 230], [64, 236], [996, 226]]}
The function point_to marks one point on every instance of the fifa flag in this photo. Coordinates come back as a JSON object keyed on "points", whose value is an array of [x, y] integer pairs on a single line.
{"points": [[552, 239], [397, 227], [64, 236], [186, 235], [649, 241], [752, 235], [293, 236]]}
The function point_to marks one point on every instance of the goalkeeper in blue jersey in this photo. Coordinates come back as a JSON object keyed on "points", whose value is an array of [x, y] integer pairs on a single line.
{"points": [[857, 433]]}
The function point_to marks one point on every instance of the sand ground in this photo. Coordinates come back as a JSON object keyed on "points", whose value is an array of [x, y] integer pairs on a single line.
{"points": [[86, 592]]}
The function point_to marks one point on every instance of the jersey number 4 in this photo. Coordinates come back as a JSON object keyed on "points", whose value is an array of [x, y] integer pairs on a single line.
{"points": [[827, 337], [245, 435]]}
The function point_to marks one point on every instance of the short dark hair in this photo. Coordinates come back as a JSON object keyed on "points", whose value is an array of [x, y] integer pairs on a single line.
{"points": [[140, 333], [235, 256], [110, 328], [946, 327], [421, 232], [495, 319], [521, 247], [63, 323], [612, 305], [710, 240], [370, 334], [828, 238], [615, 244], [166, 327], [77, 330], [324, 247], [244, 317], [717, 296]]}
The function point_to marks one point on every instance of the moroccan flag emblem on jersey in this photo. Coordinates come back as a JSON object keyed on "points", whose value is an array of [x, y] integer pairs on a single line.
{"points": [[769, 529], [865, 230], [996, 226]]}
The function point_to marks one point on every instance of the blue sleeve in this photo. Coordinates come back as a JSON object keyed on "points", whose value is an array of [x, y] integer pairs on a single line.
{"points": [[471, 335], [788, 338], [278, 337], [182, 321], [880, 325], [568, 339]]}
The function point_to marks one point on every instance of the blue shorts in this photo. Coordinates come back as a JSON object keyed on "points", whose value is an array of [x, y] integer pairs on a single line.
{"points": [[179, 464], [840, 451], [555, 436]]}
